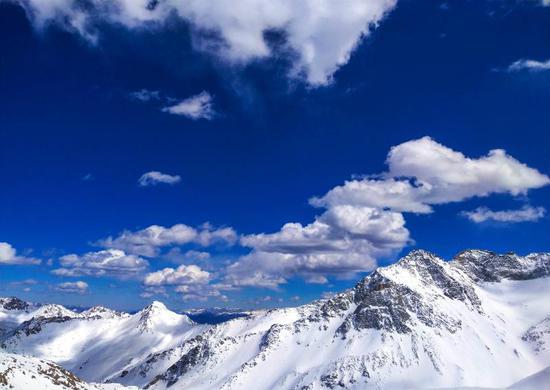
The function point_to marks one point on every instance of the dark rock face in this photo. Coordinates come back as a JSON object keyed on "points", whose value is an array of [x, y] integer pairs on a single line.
{"points": [[34, 325], [332, 307], [385, 305], [486, 266], [432, 272], [14, 303], [198, 352], [537, 334]]}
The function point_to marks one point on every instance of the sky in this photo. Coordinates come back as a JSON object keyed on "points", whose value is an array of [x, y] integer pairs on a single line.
{"points": [[260, 154]]}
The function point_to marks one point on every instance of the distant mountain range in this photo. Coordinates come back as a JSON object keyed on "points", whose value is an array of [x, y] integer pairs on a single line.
{"points": [[479, 320]]}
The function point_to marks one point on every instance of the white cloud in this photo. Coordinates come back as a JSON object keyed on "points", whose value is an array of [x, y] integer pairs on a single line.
{"points": [[154, 177], [195, 107], [190, 281], [78, 287], [147, 242], [109, 262], [525, 214], [364, 220], [184, 274], [423, 173], [320, 34], [8, 255], [145, 95], [342, 241], [530, 65]]}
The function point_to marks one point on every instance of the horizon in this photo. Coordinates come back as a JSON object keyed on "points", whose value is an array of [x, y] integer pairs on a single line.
{"points": [[187, 311], [256, 157]]}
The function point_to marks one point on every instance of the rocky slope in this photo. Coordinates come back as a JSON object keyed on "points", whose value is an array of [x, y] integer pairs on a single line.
{"points": [[481, 319]]}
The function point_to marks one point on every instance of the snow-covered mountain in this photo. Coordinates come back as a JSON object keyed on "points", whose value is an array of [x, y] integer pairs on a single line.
{"points": [[480, 320], [99, 343], [23, 372]]}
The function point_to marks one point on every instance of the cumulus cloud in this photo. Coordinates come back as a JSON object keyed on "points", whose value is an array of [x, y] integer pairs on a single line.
{"points": [[529, 65], [184, 274], [342, 241], [423, 173], [154, 177], [320, 34], [524, 214], [78, 287], [8, 255], [363, 219], [109, 262], [195, 107], [147, 242], [190, 281]]}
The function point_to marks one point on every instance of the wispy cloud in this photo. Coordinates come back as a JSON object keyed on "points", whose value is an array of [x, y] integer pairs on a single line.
{"points": [[529, 65], [145, 95], [155, 177], [195, 107], [525, 214], [78, 287]]}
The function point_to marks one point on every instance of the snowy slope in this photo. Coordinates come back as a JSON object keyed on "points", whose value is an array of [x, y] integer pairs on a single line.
{"points": [[99, 344], [480, 320], [24, 373], [537, 381], [14, 311], [419, 323]]}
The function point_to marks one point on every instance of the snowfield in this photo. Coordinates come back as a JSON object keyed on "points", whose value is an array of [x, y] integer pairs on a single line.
{"points": [[26, 373], [481, 320]]}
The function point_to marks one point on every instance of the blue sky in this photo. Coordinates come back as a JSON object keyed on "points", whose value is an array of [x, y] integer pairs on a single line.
{"points": [[245, 115]]}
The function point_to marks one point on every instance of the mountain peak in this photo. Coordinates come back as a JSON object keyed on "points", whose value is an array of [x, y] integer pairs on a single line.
{"points": [[101, 312], [13, 303], [419, 257], [155, 306], [156, 313], [54, 310]]}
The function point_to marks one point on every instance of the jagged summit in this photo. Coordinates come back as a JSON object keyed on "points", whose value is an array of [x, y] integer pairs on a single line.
{"points": [[418, 258], [13, 303], [491, 267], [102, 312]]}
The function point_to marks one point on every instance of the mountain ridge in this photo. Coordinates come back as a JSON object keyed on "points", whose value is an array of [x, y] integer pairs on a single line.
{"points": [[393, 329]]}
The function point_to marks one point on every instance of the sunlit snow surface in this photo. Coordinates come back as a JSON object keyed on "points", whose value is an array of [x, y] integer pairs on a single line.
{"points": [[420, 323]]}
